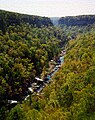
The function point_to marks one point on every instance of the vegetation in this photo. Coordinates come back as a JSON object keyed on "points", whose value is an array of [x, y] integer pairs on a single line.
{"points": [[25, 50], [82, 20], [27, 44], [9, 18], [76, 25], [71, 96]]}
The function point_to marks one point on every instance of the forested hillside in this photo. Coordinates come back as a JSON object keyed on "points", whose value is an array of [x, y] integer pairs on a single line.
{"points": [[82, 20], [71, 95], [27, 45], [10, 18], [76, 25]]}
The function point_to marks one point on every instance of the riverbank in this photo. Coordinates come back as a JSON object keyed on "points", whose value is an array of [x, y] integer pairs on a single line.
{"points": [[38, 85]]}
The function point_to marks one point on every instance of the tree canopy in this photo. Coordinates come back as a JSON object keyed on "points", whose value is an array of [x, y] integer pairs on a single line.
{"points": [[27, 44]]}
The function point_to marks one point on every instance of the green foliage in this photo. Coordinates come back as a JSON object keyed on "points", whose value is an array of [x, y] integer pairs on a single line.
{"points": [[16, 113], [22, 53], [27, 44], [9, 19], [2, 113], [82, 20], [71, 96]]}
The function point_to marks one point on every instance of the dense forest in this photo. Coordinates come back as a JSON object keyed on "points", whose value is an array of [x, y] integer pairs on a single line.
{"points": [[24, 51], [82, 20], [27, 44], [71, 95], [76, 25], [9, 18]]}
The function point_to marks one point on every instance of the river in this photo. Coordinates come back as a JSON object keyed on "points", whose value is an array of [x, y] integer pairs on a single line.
{"points": [[39, 87], [39, 84]]}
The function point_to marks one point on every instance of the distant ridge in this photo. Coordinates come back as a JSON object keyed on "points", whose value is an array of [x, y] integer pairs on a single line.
{"points": [[81, 20], [12, 18]]}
